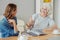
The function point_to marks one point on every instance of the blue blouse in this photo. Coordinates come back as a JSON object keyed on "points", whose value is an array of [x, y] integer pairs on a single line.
{"points": [[6, 29]]}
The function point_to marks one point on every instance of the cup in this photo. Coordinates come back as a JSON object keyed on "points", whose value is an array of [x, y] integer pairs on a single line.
{"points": [[23, 37]]}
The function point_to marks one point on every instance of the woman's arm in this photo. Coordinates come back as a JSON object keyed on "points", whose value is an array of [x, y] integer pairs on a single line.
{"points": [[14, 24], [49, 30], [30, 23]]}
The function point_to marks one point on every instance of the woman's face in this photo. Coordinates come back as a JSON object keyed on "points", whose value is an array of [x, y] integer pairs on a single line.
{"points": [[14, 12], [44, 11]]}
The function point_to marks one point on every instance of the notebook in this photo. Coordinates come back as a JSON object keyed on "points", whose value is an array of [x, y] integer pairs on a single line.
{"points": [[36, 32]]}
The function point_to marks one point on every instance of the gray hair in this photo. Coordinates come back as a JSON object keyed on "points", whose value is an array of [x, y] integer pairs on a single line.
{"points": [[48, 6]]}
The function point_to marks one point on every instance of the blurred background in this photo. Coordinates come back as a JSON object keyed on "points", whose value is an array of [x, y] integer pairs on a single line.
{"points": [[25, 8]]}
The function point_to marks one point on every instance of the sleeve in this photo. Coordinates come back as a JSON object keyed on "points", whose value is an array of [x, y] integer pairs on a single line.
{"points": [[34, 16], [51, 22], [13, 33]]}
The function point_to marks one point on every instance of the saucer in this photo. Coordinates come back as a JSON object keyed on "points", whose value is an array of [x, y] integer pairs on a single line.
{"points": [[55, 32]]}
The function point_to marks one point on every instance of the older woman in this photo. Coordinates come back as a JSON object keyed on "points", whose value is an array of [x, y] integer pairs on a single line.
{"points": [[40, 21]]}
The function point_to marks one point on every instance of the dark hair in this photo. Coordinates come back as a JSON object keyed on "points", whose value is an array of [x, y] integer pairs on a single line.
{"points": [[10, 7]]}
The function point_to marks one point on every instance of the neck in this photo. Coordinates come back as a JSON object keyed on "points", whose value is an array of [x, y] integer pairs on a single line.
{"points": [[42, 16]]}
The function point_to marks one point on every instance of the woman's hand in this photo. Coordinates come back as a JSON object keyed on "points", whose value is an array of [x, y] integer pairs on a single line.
{"points": [[11, 21], [47, 31], [30, 23]]}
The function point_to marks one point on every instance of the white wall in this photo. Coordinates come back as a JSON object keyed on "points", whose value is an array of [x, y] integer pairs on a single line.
{"points": [[37, 6], [25, 8]]}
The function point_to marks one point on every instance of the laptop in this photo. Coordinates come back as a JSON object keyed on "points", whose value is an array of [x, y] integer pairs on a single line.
{"points": [[36, 33]]}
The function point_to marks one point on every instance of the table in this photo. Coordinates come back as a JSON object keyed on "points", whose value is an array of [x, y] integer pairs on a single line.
{"points": [[44, 37]]}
